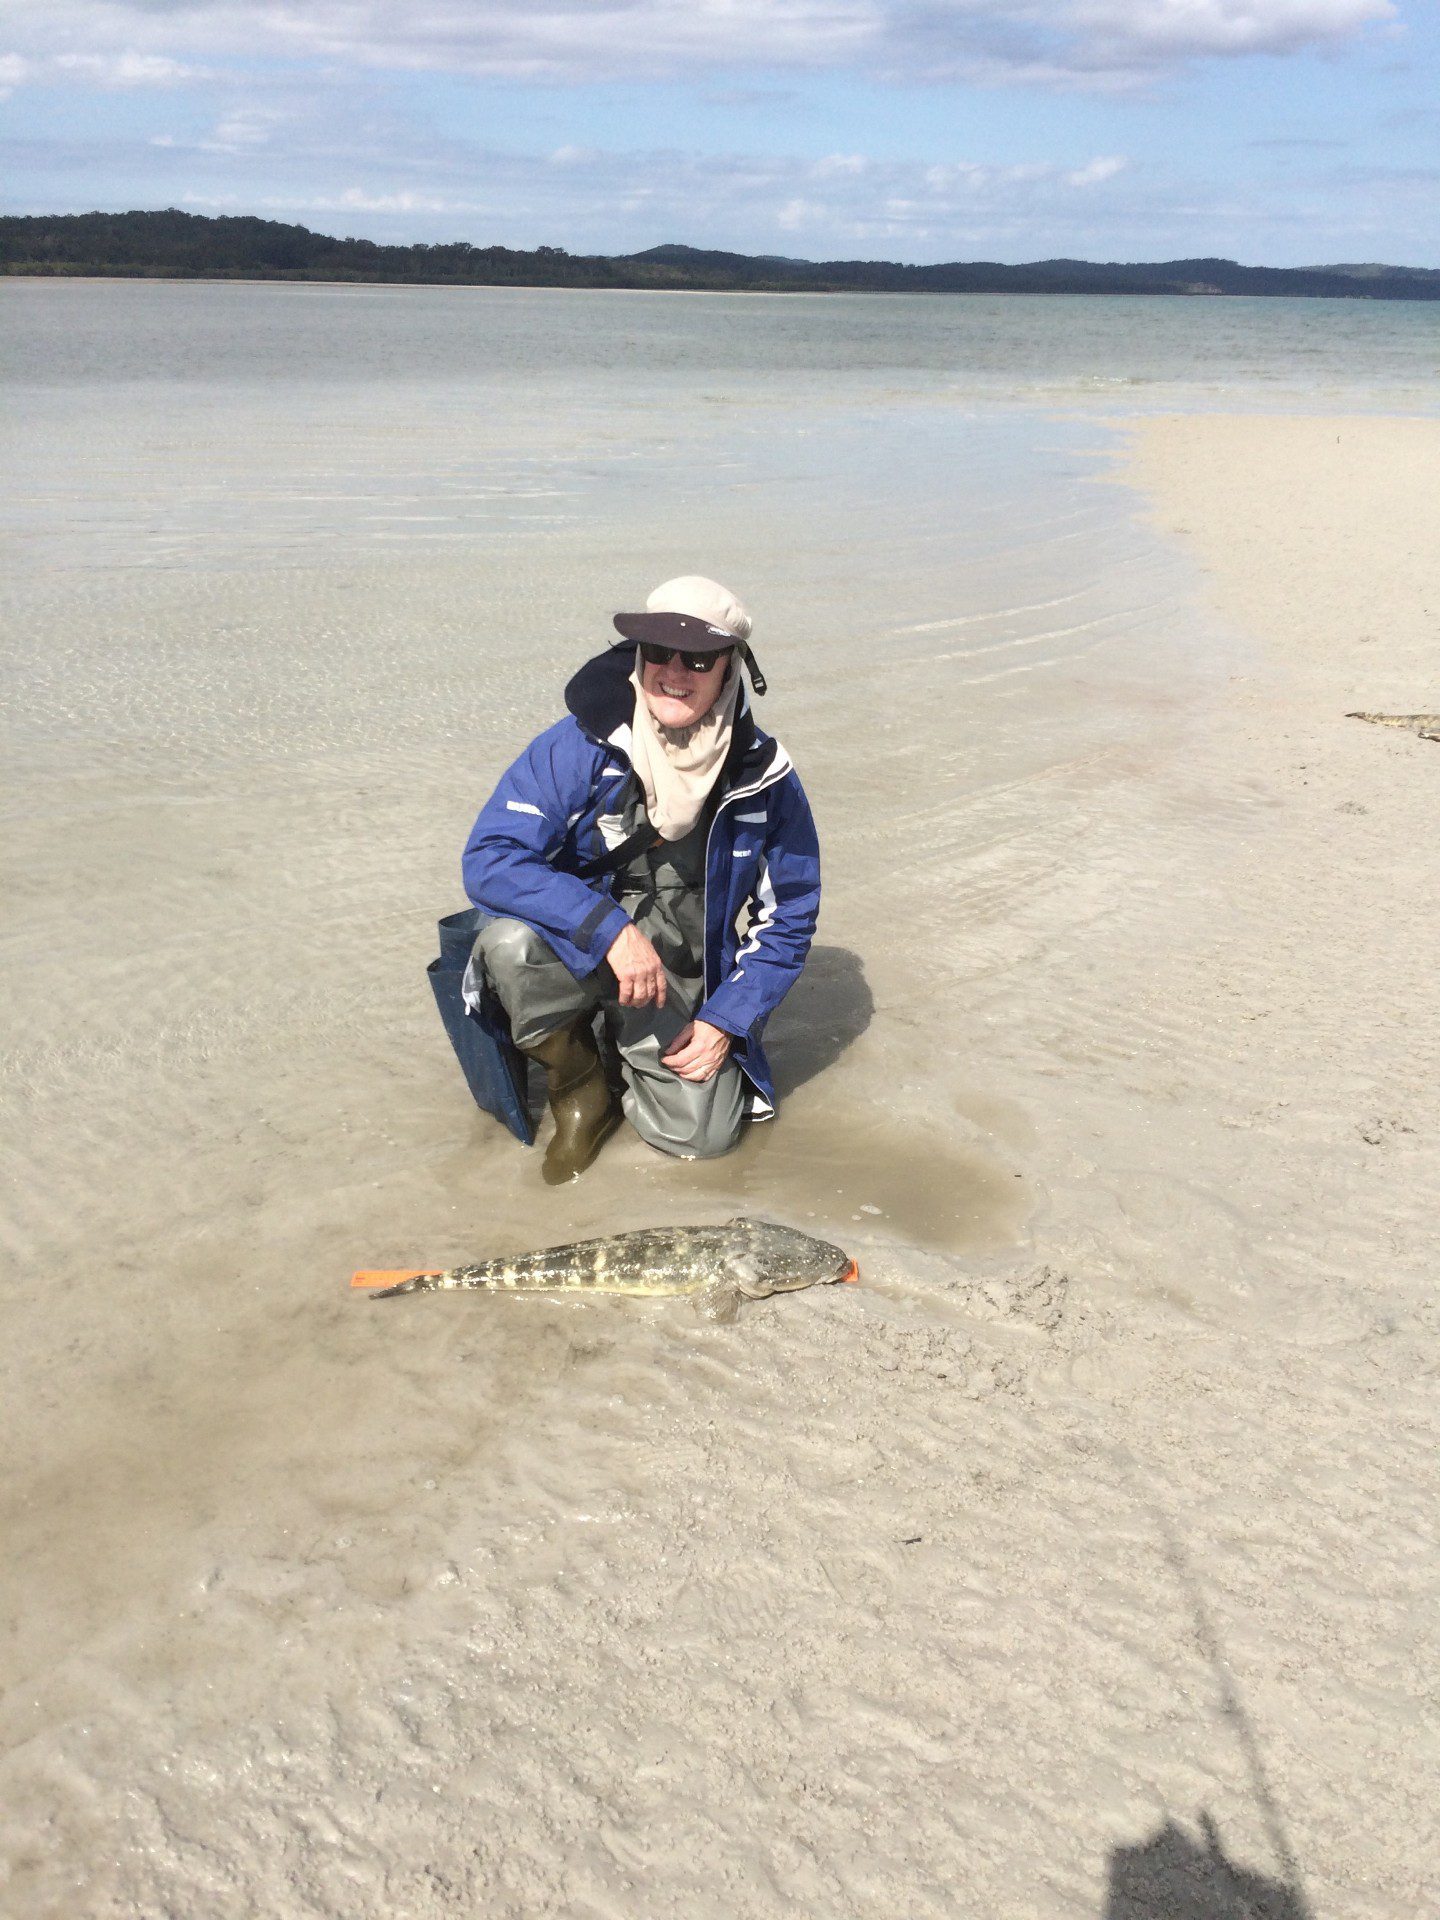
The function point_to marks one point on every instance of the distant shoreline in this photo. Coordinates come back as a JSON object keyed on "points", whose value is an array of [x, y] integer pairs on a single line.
{"points": [[169, 244], [93, 276]]}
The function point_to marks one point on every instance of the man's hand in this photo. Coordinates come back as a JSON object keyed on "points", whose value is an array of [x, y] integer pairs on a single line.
{"points": [[698, 1051], [638, 969]]}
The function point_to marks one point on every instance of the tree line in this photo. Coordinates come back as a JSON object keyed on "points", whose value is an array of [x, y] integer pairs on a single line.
{"points": [[171, 244]]}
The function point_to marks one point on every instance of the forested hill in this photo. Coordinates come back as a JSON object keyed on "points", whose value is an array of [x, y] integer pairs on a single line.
{"points": [[175, 245]]}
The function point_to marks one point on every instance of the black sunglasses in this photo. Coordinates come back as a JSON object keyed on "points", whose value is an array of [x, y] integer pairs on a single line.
{"points": [[658, 656]]}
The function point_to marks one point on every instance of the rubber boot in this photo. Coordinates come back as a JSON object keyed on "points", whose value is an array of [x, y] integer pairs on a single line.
{"points": [[581, 1099]]}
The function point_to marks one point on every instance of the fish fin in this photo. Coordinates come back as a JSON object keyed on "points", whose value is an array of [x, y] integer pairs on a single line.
{"points": [[745, 1276], [718, 1302]]}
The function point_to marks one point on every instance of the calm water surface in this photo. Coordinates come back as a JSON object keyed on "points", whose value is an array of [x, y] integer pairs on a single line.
{"points": [[155, 424], [287, 574], [290, 572], [992, 346]]}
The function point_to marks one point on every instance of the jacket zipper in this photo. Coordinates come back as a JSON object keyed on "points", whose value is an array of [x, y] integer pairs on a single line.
{"points": [[740, 793]]}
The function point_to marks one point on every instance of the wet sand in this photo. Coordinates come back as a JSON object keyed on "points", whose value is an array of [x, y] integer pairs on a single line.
{"points": [[1082, 1556]]}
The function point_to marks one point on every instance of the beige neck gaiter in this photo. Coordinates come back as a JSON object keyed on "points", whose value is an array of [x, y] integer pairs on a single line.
{"points": [[677, 767]]}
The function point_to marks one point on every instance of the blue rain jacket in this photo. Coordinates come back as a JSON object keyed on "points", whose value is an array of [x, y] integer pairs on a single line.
{"points": [[555, 810]]}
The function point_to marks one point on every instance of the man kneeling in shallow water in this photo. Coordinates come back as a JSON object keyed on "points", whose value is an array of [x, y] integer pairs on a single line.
{"points": [[649, 861]]}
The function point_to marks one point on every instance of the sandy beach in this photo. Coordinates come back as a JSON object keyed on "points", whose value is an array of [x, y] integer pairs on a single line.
{"points": [[1081, 1562]]}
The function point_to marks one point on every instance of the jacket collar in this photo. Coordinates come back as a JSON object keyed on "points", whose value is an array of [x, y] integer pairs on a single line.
{"points": [[603, 701]]}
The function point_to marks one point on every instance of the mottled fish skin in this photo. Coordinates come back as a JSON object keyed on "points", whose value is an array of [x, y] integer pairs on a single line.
{"points": [[749, 1258], [1427, 725]]}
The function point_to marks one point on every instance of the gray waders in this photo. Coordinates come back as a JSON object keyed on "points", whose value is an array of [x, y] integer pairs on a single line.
{"points": [[552, 1017], [691, 1119]]}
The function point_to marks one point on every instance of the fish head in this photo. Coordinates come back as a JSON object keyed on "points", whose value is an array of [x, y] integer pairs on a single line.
{"points": [[777, 1259]]}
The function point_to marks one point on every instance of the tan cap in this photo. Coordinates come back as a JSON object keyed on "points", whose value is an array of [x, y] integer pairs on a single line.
{"points": [[689, 611]]}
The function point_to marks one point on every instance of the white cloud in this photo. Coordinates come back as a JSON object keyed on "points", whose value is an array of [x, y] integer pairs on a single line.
{"points": [[352, 200], [128, 69], [972, 177], [625, 201], [906, 205], [393, 187], [110, 70], [356, 200], [1103, 167], [1166, 28], [245, 131], [1100, 43]]}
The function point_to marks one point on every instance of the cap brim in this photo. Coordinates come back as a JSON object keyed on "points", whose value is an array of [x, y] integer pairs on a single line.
{"points": [[675, 630]]}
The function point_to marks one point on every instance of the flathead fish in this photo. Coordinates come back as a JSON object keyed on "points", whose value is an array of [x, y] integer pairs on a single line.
{"points": [[1427, 725], [719, 1266]]}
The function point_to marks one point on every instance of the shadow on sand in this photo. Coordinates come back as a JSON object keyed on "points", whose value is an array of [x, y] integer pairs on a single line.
{"points": [[825, 1012], [1171, 1876]]}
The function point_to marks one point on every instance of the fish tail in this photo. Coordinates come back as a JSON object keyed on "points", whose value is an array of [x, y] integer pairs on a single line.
{"points": [[490, 1276], [384, 1282], [417, 1283]]}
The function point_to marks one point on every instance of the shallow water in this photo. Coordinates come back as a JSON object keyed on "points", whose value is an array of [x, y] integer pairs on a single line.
{"points": [[820, 348], [259, 704], [289, 574]]}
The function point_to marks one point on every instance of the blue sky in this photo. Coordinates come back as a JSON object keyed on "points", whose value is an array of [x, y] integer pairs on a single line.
{"points": [[1277, 131]]}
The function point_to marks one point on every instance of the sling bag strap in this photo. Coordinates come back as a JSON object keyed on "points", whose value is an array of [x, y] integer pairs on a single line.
{"points": [[640, 841], [643, 838]]}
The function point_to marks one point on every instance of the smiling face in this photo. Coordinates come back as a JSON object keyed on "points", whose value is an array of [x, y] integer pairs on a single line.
{"points": [[676, 694]]}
